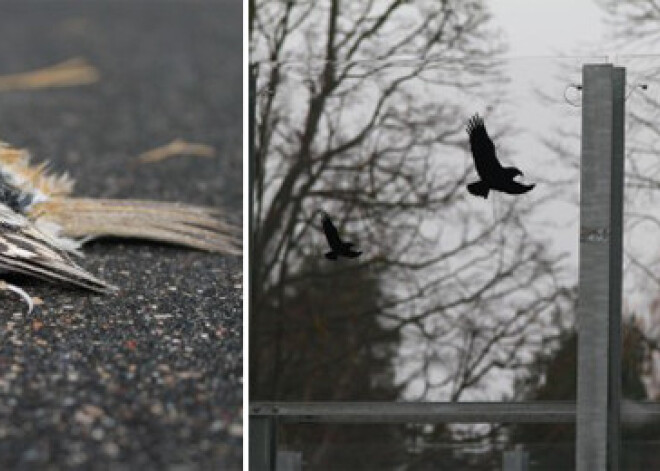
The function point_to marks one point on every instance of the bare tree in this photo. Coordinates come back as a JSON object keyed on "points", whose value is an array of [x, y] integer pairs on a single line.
{"points": [[633, 23], [360, 111], [636, 25]]}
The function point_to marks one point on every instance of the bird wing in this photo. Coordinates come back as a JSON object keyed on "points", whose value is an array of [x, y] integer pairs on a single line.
{"points": [[331, 233], [89, 218], [514, 188], [27, 250], [483, 149]]}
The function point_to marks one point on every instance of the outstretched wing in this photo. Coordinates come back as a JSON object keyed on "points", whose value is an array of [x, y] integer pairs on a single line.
{"points": [[483, 149], [514, 188], [27, 250], [331, 233]]}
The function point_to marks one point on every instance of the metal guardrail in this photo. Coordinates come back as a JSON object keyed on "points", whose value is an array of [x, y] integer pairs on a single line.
{"points": [[632, 412]]}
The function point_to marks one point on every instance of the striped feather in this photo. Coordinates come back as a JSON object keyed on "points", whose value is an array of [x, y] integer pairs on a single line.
{"points": [[175, 223], [25, 249]]}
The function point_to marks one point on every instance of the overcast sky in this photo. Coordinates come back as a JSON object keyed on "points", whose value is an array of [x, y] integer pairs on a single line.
{"points": [[569, 28], [550, 27]]}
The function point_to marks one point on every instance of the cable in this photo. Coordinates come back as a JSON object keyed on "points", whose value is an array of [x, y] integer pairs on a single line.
{"points": [[576, 86]]}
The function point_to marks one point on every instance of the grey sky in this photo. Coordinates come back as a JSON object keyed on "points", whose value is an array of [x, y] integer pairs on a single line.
{"points": [[555, 27], [534, 28]]}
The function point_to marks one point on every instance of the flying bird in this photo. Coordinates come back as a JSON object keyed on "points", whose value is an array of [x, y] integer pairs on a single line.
{"points": [[338, 247], [493, 175], [43, 227]]}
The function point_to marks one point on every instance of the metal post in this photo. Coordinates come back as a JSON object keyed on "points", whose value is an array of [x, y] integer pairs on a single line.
{"points": [[616, 266], [263, 449], [253, 71], [252, 103], [601, 234], [515, 460], [253, 332]]}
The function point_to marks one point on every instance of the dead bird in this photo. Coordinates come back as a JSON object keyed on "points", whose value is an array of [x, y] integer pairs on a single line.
{"points": [[42, 226]]}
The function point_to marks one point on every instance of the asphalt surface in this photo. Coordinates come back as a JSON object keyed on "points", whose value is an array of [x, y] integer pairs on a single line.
{"points": [[150, 378]]}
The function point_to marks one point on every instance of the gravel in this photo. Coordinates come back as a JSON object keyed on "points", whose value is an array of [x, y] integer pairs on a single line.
{"points": [[150, 378]]}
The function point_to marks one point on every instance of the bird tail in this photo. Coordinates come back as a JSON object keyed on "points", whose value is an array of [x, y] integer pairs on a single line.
{"points": [[331, 255], [56, 270], [519, 188], [86, 219], [479, 188]]}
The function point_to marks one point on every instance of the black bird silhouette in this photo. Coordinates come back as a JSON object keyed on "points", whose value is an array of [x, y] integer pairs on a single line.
{"points": [[338, 246], [493, 175]]}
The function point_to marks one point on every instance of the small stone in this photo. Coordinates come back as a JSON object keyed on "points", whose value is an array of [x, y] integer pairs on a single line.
{"points": [[111, 449], [217, 426], [87, 414], [97, 434], [31, 455], [236, 430]]}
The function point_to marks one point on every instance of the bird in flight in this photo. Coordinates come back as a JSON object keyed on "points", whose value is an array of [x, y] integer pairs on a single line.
{"points": [[493, 175], [338, 247]]}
